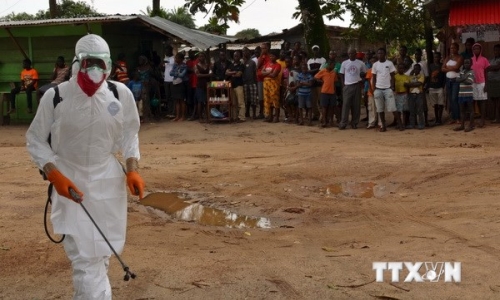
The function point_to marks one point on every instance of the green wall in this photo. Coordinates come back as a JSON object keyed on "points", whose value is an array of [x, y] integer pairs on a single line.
{"points": [[42, 44]]}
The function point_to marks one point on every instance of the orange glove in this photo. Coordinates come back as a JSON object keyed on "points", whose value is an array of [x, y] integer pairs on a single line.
{"points": [[135, 184], [63, 184]]}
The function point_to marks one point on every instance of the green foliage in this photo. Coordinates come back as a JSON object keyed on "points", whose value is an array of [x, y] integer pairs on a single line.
{"points": [[331, 9], [248, 34], [67, 9], [222, 10], [391, 21], [179, 15], [18, 17], [314, 27], [215, 27]]}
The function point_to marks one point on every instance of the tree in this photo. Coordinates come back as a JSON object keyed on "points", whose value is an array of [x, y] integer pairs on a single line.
{"points": [[160, 13], [213, 26], [310, 12], [53, 8], [156, 8], [248, 34], [17, 17], [223, 10], [399, 21], [181, 16], [67, 9], [311, 16], [178, 15], [391, 21]]}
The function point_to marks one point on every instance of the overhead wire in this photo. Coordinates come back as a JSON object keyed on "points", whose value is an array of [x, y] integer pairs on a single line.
{"points": [[248, 6], [10, 7]]}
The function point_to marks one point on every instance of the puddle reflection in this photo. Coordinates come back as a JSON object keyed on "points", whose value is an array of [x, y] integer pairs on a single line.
{"points": [[178, 208]]}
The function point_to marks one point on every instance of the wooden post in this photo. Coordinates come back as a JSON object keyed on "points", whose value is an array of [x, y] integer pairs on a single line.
{"points": [[17, 43]]}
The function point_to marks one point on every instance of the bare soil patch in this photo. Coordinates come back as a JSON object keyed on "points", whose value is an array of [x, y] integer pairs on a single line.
{"points": [[434, 197]]}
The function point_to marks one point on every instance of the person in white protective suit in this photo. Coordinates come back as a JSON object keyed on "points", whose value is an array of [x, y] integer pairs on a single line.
{"points": [[87, 128]]}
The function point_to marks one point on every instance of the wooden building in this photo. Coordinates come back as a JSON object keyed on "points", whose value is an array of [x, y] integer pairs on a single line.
{"points": [[42, 41], [459, 19], [336, 36]]}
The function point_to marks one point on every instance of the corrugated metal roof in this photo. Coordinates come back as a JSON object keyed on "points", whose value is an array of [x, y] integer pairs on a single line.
{"points": [[191, 36], [478, 12], [275, 45], [27, 23], [197, 38], [222, 39]]}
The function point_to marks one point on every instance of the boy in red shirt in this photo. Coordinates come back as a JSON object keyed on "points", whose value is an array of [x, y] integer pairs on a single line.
{"points": [[328, 99], [29, 83]]}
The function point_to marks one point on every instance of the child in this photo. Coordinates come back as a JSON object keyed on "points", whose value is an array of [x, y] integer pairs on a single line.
{"points": [[479, 65], [285, 78], [328, 99], [493, 81], [401, 95], [291, 101], [415, 97], [465, 96], [304, 84], [437, 82], [135, 85], [372, 110]]}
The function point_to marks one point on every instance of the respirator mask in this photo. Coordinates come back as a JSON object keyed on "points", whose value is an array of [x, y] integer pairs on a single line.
{"points": [[94, 69]]}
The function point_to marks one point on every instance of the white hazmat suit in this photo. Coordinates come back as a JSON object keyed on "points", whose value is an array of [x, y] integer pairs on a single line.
{"points": [[86, 131]]}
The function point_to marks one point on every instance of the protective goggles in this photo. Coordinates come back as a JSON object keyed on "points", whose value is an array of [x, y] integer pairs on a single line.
{"points": [[91, 60]]}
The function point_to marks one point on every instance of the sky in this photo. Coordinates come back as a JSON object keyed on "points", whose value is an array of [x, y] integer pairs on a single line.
{"points": [[266, 16]]}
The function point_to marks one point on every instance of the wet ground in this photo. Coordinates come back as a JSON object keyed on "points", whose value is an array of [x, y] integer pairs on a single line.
{"points": [[187, 209]]}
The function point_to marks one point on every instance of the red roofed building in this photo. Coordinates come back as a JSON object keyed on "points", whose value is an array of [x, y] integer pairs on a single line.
{"points": [[459, 19]]}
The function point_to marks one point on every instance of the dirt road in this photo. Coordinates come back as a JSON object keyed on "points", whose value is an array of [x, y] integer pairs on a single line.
{"points": [[337, 202]]}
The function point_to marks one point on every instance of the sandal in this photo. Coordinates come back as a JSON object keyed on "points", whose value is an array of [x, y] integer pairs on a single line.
{"points": [[382, 129], [459, 128], [469, 129]]}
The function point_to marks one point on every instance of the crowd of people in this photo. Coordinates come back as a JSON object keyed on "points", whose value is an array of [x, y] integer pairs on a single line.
{"points": [[331, 91], [289, 85]]}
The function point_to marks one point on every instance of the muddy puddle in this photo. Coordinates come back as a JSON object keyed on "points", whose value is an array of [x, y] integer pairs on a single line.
{"points": [[181, 209], [357, 189]]}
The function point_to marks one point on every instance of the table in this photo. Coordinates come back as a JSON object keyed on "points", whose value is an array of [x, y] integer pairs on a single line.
{"points": [[219, 97]]}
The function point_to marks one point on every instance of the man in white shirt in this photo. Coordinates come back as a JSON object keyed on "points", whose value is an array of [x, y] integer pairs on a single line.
{"points": [[314, 64], [168, 62], [383, 78], [352, 72]]}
